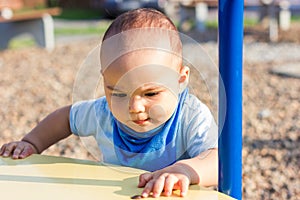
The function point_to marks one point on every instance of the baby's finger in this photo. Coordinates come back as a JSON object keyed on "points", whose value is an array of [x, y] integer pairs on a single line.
{"points": [[159, 185], [9, 148], [2, 150], [144, 179], [148, 188], [184, 186], [169, 185], [17, 152], [27, 151]]}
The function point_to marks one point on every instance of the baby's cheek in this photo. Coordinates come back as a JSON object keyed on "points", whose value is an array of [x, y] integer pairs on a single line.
{"points": [[157, 112], [160, 113], [119, 108]]}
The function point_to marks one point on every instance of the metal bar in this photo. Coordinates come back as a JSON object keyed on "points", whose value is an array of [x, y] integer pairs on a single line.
{"points": [[230, 66]]}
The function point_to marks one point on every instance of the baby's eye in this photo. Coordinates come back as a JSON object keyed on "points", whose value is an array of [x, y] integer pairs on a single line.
{"points": [[151, 94], [118, 94]]}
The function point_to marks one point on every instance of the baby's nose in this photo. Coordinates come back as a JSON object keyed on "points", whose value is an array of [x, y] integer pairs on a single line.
{"points": [[136, 104]]}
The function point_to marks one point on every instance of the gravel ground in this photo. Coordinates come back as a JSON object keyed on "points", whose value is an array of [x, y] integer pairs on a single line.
{"points": [[35, 82]]}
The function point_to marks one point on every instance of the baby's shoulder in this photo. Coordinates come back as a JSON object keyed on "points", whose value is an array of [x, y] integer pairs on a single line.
{"points": [[193, 109], [101, 106], [192, 103], [92, 105]]}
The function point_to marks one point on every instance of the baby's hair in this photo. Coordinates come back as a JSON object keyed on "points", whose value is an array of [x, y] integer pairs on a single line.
{"points": [[147, 18], [139, 18]]}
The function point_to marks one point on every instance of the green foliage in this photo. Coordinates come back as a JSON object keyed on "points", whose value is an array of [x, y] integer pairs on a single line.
{"points": [[75, 14], [21, 42], [81, 31], [211, 24], [248, 22], [53, 3], [295, 18]]}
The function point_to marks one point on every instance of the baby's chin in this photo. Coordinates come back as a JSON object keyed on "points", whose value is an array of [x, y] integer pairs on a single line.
{"points": [[145, 126], [143, 129]]}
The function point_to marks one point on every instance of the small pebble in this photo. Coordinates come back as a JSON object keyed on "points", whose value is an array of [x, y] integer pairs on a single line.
{"points": [[136, 197], [265, 113]]}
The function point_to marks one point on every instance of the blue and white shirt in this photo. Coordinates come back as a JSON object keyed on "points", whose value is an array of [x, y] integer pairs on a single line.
{"points": [[192, 131]]}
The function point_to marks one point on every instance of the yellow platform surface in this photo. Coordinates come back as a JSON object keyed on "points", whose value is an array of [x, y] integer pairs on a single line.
{"points": [[47, 177]]}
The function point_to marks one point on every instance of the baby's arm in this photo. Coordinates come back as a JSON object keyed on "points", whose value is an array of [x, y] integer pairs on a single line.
{"points": [[48, 132], [202, 170]]}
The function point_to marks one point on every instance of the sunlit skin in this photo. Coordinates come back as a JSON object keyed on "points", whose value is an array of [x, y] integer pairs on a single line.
{"points": [[144, 109], [135, 92]]}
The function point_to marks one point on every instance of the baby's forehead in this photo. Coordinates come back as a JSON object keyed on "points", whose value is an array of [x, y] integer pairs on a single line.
{"points": [[139, 40], [153, 55], [149, 61], [145, 75]]}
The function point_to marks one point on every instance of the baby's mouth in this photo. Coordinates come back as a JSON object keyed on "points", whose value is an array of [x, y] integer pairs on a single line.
{"points": [[141, 121]]}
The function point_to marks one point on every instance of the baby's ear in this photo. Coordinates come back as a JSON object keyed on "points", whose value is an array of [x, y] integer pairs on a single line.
{"points": [[184, 77]]}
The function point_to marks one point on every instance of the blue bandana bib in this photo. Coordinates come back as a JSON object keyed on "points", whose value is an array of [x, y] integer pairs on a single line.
{"points": [[156, 148]]}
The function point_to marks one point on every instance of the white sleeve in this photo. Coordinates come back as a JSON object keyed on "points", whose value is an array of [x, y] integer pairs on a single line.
{"points": [[83, 119], [201, 129]]}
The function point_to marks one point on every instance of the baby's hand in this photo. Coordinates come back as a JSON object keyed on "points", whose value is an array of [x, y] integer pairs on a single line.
{"points": [[16, 150], [164, 181]]}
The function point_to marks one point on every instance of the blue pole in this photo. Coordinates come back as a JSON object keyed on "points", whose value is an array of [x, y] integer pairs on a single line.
{"points": [[230, 66]]}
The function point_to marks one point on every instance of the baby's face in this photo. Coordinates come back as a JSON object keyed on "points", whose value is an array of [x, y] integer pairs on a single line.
{"points": [[142, 88]]}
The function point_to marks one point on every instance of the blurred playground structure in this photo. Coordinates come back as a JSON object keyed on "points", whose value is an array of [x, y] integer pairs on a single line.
{"points": [[277, 13], [24, 16]]}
